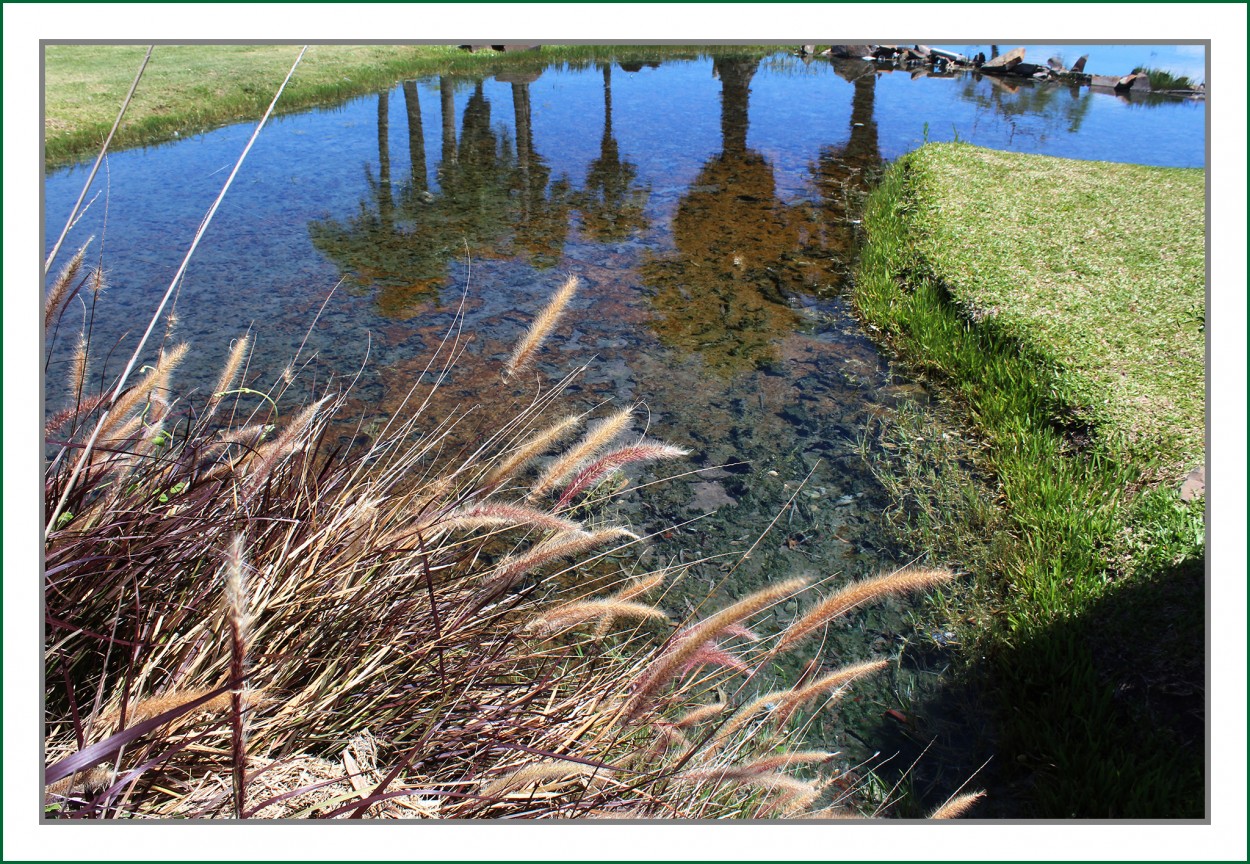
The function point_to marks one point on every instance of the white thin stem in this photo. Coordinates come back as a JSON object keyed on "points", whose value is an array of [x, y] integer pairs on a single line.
{"points": [[134, 358], [47, 264]]}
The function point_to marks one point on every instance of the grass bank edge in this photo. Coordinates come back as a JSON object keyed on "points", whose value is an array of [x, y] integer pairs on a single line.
{"points": [[189, 89], [1084, 520]]}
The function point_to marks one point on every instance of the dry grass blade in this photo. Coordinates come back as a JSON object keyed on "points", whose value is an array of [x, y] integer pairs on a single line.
{"points": [[858, 593], [541, 328]]}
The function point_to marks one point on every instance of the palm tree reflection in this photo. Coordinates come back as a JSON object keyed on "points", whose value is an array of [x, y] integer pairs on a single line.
{"points": [[492, 196], [843, 174], [722, 293], [611, 207], [1028, 109]]}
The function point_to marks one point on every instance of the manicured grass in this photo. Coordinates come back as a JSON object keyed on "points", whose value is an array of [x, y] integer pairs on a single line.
{"points": [[1038, 294], [1096, 268], [190, 88]]}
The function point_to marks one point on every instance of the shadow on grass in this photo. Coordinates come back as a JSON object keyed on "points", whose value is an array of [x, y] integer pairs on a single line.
{"points": [[1113, 702]]}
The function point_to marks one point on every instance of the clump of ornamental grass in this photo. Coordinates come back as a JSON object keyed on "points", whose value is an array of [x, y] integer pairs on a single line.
{"points": [[246, 618]]}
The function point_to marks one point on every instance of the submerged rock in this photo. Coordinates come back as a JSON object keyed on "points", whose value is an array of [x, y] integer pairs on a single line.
{"points": [[709, 496]]}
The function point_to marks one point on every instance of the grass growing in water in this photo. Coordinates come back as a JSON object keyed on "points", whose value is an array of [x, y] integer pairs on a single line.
{"points": [[1051, 300]]}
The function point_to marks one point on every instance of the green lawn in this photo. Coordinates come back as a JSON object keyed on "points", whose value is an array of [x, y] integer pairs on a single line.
{"points": [[1058, 309], [1098, 267]]}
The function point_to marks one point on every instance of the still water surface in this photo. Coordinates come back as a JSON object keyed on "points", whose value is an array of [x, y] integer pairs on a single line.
{"points": [[709, 207]]}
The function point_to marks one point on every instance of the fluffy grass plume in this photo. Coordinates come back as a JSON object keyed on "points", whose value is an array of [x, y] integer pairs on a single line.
{"points": [[59, 289], [598, 436], [531, 449], [541, 328], [644, 452], [800, 695], [957, 806], [537, 774], [858, 593], [572, 614], [499, 515], [237, 617], [155, 381], [229, 372], [667, 665]]}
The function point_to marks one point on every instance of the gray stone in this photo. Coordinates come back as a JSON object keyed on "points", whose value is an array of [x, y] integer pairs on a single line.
{"points": [[1079, 66], [1006, 61], [952, 56], [1138, 82], [1104, 80], [1194, 484], [855, 52], [709, 496], [1056, 65]]}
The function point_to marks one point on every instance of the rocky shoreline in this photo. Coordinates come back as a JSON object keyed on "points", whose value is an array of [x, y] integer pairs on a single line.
{"points": [[921, 60]]}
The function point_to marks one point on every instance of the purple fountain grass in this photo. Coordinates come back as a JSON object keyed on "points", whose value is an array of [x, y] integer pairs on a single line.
{"points": [[366, 597], [643, 452], [857, 594], [598, 436]]}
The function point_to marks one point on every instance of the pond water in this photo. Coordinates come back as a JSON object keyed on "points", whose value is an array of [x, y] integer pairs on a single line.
{"points": [[709, 207]]}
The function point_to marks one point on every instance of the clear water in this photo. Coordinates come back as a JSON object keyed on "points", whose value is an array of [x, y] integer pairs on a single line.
{"points": [[708, 207]]}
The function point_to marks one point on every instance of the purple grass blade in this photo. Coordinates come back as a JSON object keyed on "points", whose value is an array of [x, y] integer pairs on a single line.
{"points": [[93, 755]]}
